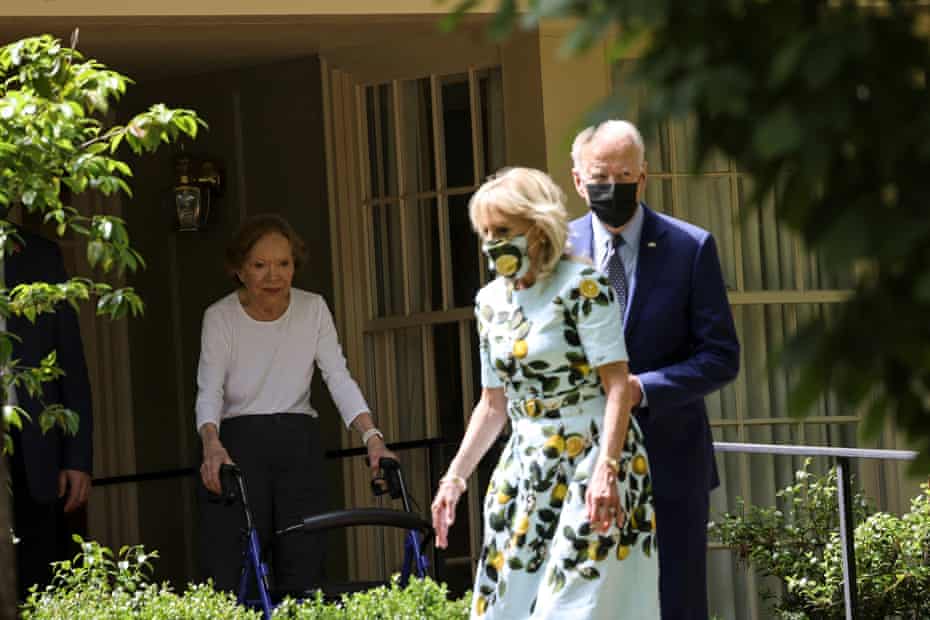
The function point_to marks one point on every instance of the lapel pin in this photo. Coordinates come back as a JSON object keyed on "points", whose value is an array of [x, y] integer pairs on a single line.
{"points": [[651, 244]]}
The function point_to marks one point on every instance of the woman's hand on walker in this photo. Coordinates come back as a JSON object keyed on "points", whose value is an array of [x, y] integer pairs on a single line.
{"points": [[214, 455], [447, 497], [602, 499], [376, 450]]}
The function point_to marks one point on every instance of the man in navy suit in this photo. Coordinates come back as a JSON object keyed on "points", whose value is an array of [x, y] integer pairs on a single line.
{"points": [[52, 470], [680, 337]]}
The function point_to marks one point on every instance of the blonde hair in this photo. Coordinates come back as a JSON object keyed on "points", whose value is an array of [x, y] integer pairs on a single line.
{"points": [[613, 128], [532, 196]]}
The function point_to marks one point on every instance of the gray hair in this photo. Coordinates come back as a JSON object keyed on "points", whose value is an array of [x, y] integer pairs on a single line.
{"points": [[615, 128]]}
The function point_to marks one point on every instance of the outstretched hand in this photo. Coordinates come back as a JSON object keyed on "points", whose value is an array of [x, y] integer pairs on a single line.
{"points": [[447, 497]]}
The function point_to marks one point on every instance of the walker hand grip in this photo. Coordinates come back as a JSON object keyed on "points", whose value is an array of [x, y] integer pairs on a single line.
{"points": [[229, 479], [387, 481]]}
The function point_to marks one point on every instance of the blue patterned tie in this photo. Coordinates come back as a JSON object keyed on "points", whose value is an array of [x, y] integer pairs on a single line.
{"points": [[617, 274]]}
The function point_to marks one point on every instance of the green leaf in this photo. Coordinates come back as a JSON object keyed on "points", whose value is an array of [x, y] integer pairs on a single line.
{"points": [[778, 134], [503, 20]]}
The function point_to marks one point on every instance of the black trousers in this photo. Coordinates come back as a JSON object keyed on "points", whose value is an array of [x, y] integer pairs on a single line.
{"points": [[38, 526], [281, 459], [681, 530]]}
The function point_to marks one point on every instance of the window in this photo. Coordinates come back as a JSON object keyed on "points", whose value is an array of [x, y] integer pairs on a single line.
{"points": [[430, 142]]}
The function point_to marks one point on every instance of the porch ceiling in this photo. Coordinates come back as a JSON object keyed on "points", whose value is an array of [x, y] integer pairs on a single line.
{"points": [[152, 48]]}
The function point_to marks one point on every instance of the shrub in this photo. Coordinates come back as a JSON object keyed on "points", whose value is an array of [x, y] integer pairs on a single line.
{"points": [[800, 546], [99, 585], [423, 599]]}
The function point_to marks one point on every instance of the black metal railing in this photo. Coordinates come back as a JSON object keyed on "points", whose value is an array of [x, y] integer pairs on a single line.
{"points": [[842, 457]]}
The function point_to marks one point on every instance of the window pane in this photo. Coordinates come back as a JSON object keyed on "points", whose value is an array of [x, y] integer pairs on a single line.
{"points": [[388, 139], [475, 362], [823, 275], [659, 194], [706, 202], [371, 116], [770, 250], [411, 407], [721, 405], [425, 256], [447, 369], [372, 396], [828, 405], [418, 135], [491, 91], [388, 259], [466, 271], [456, 123], [762, 330], [410, 389], [683, 136]]}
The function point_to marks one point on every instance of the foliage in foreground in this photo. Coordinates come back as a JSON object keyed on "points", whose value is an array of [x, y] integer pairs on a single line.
{"points": [[99, 584], [821, 104], [799, 544], [54, 145]]}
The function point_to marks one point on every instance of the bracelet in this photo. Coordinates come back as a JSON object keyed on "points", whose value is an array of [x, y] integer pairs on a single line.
{"points": [[612, 464], [371, 432], [456, 480]]}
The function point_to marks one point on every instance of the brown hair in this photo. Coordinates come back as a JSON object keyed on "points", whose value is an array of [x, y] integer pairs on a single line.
{"points": [[251, 230]]}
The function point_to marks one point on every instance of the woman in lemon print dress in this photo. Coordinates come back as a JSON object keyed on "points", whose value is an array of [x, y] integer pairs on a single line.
{"points": [[568, 516]]}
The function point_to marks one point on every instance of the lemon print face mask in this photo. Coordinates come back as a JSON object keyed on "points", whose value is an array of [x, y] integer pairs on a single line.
{"points": [[508, 257]]}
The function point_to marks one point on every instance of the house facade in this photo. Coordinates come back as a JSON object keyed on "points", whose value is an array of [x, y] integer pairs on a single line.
{"points": [[369, 129]]}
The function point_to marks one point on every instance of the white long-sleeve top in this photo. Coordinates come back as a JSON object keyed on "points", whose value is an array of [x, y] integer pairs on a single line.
{"points": [[250, 367]]}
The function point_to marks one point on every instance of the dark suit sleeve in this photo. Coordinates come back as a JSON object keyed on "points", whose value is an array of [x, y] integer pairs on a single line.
{"points": [[714, 357], [77, 450]]}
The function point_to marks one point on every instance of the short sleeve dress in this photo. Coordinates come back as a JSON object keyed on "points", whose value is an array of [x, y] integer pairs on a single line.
{"points": [[540, 556]]}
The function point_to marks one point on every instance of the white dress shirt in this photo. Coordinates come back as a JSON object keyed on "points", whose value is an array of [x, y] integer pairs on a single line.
{"points": [[250, 367]]}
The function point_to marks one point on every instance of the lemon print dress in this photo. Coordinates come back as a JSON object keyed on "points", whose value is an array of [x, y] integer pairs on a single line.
{"points": [[540, 556]]}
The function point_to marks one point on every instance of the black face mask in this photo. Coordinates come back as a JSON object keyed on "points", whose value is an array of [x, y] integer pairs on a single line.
{"points": [[613, 203]]}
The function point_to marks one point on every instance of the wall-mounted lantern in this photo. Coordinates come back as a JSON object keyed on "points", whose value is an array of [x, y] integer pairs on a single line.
{"points": [[197, 184]]}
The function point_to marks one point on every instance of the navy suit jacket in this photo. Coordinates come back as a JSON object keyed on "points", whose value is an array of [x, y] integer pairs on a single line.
{"points": [[681, 342], [45, 455]]}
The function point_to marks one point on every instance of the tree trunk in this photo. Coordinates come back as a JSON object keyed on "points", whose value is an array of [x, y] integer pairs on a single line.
{"points": [[7, 553]]}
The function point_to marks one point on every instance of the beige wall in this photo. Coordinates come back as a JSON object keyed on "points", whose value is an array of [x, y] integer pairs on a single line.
{"points": [[221, 7], [572, 87]]}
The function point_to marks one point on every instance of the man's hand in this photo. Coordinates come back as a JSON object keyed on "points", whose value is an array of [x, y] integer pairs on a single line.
{"points": [[76, 484]]}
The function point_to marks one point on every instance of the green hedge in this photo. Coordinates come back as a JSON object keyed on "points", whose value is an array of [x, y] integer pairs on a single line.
{"points": [[101, 585]]}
